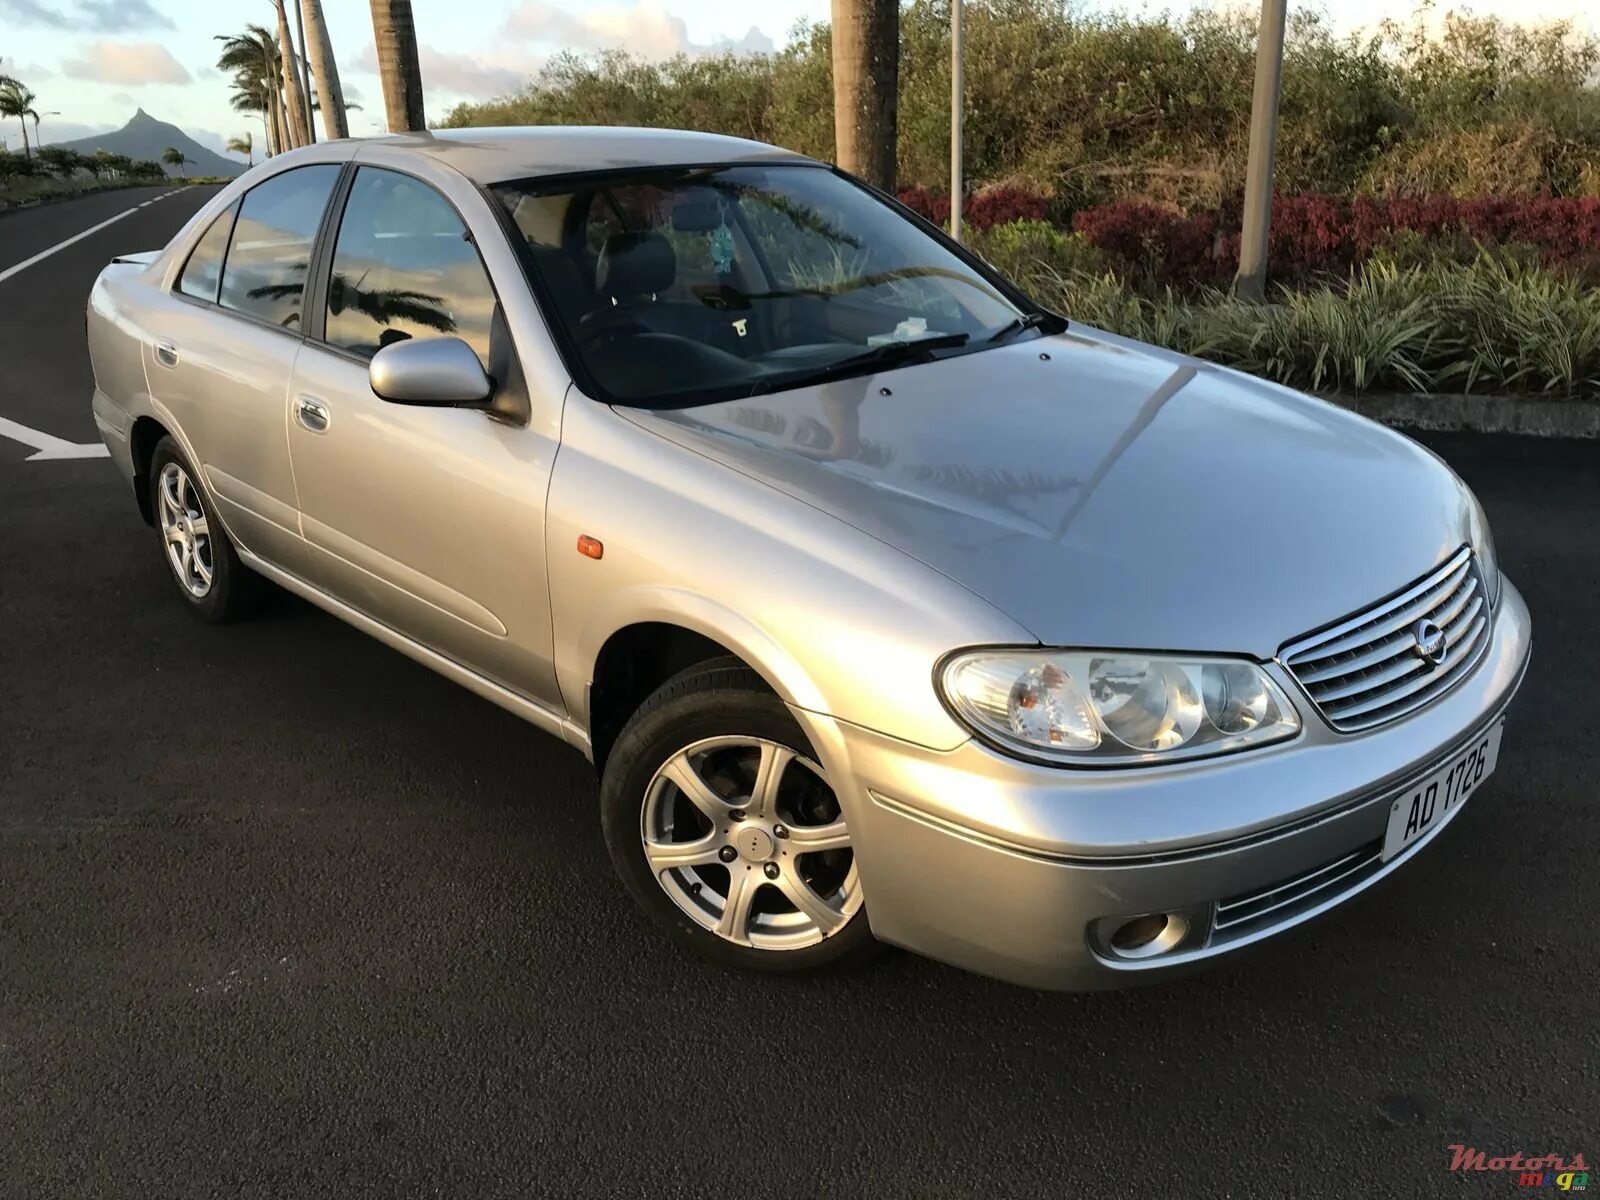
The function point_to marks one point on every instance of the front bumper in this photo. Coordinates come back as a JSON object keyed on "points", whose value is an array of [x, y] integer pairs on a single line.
{"points": [[1011, 869]]}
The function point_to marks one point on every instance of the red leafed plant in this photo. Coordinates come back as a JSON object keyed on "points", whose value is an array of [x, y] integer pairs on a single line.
{"points": [[1316, 234], [1311, 234], [998, 205]]}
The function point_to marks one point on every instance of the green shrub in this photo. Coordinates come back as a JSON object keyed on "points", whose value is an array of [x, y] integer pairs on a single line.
{"points": [[1025, 250], [1495, 324], [1092, 108]]}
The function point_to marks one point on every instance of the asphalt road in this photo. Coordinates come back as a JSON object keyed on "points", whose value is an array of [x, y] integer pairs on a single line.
{"points": [[283, 914]]}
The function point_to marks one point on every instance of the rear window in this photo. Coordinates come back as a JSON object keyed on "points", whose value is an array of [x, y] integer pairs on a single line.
{"points": [[269, 258], [203, 271]]}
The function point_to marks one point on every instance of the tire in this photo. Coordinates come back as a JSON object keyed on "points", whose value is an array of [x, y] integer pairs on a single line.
{"points": [[201, 560], [720, 721]]}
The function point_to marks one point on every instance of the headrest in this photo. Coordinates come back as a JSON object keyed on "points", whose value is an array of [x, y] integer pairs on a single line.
{"points": [[636, 264]]}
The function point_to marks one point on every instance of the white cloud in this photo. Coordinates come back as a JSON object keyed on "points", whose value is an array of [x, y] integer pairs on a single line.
{"points": [[535, 31], [28, 72], [128, 63], [103, 16], [458, 74], [645, 28]]}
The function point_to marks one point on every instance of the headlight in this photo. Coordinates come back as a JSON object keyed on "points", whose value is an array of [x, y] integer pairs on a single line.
{"points": [[1107, 708], [1483, 547]]}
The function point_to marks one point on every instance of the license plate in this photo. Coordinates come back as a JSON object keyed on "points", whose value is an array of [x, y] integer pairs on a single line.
{"points": [[1423, 808]]}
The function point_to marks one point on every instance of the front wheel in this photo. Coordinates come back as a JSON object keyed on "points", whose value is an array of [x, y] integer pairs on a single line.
{"points": [[723, 826]]}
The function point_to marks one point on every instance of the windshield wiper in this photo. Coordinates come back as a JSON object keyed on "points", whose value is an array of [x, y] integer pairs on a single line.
{"points": [[875, 358], [1033, 320]]}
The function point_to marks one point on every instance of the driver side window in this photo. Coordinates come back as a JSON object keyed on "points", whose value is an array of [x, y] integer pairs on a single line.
{"points": [[404, 266]]}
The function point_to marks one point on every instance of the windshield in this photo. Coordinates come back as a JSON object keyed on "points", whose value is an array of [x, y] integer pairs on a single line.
{"points": [[694, 285]]}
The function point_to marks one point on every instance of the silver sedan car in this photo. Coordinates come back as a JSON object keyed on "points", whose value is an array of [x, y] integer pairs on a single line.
{"points": [[889, 606]]}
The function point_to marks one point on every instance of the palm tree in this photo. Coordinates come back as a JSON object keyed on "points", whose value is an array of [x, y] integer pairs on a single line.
{"points": [[294, 93], [866, 84], [395, 33], [245, 144], [173, 157], [253, 58], [252, 96], [17, 101], [319, 50]]}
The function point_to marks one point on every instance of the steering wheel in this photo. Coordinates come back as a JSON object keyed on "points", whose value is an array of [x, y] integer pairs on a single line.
{"points": [[605, 324]]}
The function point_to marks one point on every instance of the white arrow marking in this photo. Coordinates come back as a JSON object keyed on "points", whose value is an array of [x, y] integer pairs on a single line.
{"points": [[48, 446]]}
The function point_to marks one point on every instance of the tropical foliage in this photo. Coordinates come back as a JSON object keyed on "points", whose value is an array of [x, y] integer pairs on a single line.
{"points": [[56, 171], [1088, 108], [253, 59], [1496, 323], [17, 101], [268, 81]]}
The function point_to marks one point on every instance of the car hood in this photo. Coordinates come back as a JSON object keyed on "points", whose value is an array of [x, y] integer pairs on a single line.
{"points": [[1104, 493]]}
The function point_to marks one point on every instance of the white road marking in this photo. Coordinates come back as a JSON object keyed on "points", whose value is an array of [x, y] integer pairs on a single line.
{"points": [[77, 237], [50, 446]]}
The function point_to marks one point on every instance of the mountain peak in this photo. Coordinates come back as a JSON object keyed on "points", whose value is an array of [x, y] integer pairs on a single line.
{"points": [[145, 137]]}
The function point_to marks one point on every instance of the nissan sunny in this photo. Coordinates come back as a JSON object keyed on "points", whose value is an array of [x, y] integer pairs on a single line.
{"points": [[889, 606]]}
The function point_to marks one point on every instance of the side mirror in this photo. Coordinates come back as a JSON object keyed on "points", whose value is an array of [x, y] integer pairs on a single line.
{"points": [[442, 371]]}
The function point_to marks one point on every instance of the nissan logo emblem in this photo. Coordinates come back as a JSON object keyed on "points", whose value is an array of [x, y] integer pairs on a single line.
{"points": [[1431, 645]]}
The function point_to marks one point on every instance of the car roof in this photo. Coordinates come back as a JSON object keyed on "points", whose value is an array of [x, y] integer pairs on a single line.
{"points": [[499, 154]]}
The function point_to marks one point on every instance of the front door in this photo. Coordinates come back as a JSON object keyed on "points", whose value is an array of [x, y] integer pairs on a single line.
{"points": [[430, 520]]}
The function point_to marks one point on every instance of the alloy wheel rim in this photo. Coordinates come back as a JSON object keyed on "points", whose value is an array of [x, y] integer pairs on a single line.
{"points": [[186, 530], [746, 837]]}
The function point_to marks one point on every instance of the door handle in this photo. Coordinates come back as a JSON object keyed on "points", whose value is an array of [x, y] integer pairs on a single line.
{"points": [[311, 414], [166, 354]]}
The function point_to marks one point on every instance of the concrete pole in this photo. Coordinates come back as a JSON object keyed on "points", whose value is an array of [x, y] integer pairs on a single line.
{"points": [[958, 79], [1251, 282]]}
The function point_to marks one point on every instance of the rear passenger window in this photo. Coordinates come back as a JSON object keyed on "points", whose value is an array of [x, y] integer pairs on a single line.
{"points": [[203, 271], [405, 267], [269, 258]]}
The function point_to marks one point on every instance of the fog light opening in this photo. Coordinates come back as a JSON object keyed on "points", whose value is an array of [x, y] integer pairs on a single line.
{"points": [[1149, 935]]}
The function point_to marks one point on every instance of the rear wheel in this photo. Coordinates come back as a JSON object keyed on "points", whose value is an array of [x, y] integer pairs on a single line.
{"points": [[210, 577], [723, 826]]}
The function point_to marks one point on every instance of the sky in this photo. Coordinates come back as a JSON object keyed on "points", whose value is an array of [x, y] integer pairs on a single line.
{"points": [[93, 62]]}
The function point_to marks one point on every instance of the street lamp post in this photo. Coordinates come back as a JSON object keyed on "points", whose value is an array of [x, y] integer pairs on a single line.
{"points": [[957, 88], [1251, 281]]}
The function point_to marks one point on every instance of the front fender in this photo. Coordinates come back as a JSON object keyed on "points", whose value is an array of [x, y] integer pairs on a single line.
{"points": [[835, 620], [697, 613]]}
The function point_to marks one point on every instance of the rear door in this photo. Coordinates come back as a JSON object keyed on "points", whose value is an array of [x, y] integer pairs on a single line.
{"points": [[222, 351], [430, 520]]}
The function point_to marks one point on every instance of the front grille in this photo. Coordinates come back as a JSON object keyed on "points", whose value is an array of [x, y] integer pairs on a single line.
{"points": [[1367, 670], [1271, 905]]}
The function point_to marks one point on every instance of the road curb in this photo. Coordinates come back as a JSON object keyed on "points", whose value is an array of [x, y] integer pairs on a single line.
{"points": [[1520, 415]]}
